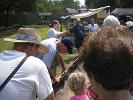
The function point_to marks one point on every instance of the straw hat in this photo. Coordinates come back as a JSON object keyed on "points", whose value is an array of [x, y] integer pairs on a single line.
{"points": [[28, 35]]}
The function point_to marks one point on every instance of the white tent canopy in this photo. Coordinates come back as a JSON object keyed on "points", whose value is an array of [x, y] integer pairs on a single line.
{"points": [[89, 13]]}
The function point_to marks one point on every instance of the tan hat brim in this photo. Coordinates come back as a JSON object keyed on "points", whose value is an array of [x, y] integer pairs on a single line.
{"points": [[14, 40], [42, 48]]}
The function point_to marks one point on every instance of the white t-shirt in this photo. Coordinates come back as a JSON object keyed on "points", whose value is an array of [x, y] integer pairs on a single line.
{"points": [[30, 80], [52, 33], [92, 28], [48, 57]]}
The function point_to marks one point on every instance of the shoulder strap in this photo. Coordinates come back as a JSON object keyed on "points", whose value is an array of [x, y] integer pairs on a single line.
{"points": [[14, 71]]}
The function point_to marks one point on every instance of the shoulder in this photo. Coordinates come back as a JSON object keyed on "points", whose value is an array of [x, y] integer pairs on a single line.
{"points": [[96, 24], [51, 30], [50, 42], [34, 64], [89, 25], [73, 98]]}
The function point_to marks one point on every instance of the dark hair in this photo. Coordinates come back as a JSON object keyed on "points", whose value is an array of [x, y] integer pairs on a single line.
{"points": [[129, 18], [68, 44], [53, 23], [107, 56]]}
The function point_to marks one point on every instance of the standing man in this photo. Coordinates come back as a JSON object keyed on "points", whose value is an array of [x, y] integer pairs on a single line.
{"points": [[32, 79], [92, 26], [78, 31]]}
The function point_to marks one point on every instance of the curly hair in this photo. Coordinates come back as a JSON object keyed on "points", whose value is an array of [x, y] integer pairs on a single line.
{"points": [[77, 81], [108, 57]]}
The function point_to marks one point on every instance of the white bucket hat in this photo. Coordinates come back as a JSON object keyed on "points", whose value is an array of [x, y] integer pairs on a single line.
{"points": [[78, 19], [28, 35], [129, 24], [111, 21]]}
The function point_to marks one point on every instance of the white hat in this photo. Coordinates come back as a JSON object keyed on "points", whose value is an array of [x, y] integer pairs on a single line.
{"points": [[129, 24], [28, 35], [111, 21], [78, 19]]}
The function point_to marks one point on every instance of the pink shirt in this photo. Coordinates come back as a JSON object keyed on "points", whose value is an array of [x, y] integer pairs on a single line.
{"points": [[82, 96]]}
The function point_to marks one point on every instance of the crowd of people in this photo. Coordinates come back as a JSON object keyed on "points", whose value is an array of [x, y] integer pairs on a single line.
{"points": [[29, 69]]}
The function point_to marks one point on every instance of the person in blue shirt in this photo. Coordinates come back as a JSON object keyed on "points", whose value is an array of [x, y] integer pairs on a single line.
{"points": [[78, 31]]}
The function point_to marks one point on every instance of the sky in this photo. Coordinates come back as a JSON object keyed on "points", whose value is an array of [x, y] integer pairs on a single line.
{"points": [[82, 2]]}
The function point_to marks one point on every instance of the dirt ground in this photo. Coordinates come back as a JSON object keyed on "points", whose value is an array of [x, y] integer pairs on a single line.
{"points": [[66, 93]]}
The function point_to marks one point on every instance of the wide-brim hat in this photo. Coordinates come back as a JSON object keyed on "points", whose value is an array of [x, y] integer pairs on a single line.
{"points": [[28, 35]]}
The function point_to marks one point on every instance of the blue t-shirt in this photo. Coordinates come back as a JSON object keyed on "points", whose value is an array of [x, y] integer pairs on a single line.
{"points": [[78, 31]]}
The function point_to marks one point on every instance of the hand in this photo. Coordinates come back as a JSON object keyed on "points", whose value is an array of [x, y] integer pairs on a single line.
{"points": [[64, 70], [56, 79], [68, 33]]}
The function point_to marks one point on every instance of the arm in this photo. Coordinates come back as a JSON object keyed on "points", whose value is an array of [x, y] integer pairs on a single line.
{"points": [[88, 27], [60, 34], [53, 77], [53, 33], [61, 61], [44, 87]]}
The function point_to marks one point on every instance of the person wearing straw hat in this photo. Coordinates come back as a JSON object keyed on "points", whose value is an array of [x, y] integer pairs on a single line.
{"points": [[32, 79]]}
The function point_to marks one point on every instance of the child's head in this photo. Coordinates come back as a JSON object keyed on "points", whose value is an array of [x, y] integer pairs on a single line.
{"points": [[77, 82]]}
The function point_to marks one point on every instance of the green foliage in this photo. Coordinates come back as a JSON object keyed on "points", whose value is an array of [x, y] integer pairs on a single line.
{"points": [[126, 3], [15, 6], [112, 3], [70, 3], [22, 6], [43, 32], [90, 3], [44, 5]]}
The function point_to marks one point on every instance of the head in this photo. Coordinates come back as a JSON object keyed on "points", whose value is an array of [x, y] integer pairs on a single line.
{"points": [[78, 21], [64, 46], [77, 82], [108, 58], [61, 47], [28, 41], [122, 18], [129, 18], [92, 21], [29, 48], [111, 21], [55, 24]]}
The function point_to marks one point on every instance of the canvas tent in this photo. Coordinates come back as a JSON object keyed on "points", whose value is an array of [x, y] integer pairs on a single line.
{"points": [[89, 13]]}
